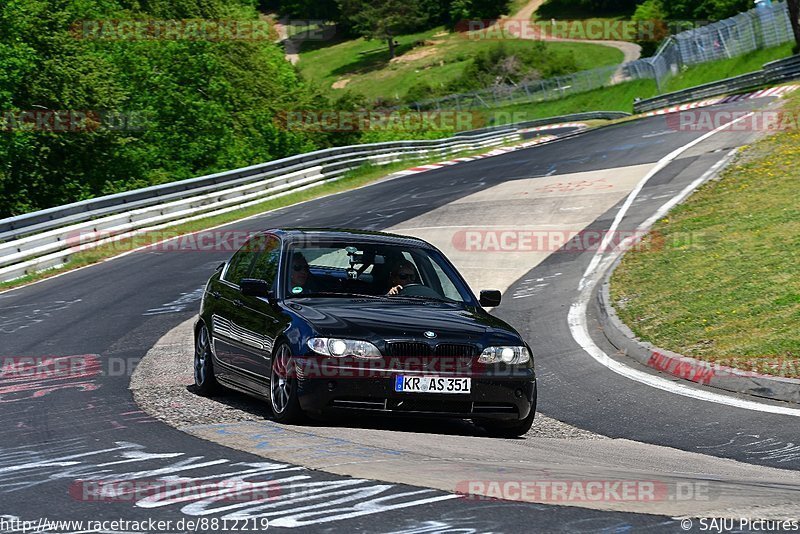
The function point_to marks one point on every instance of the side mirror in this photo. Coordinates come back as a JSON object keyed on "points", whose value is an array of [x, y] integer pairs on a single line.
{"points": [[490, 298], [252, 287]]}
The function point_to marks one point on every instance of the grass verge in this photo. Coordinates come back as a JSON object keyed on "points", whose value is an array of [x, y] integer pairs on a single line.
{"points": [[614, 98], [723, 284], [725, 68], [620, 97], [440, 57], [361, 176]]}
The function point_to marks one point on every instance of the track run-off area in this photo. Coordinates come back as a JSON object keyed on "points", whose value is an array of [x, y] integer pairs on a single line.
{"points": [[519, 222]]}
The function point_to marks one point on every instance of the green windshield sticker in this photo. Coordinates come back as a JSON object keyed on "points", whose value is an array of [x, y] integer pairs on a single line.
{"points": [[297, 289]]}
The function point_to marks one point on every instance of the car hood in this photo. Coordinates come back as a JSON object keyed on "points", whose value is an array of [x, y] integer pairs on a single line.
{"points": [[376, 320]]}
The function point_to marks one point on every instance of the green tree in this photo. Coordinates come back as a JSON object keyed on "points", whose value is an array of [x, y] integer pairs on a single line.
{"points": [[383, 19], [305, 9], [478, 9], [209, 105], [794, 17]]}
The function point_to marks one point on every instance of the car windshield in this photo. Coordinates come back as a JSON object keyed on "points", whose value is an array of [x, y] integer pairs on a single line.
{"points": [[371, 270]]}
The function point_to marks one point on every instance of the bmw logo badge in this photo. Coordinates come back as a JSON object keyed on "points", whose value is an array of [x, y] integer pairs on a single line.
{"points": [[429, 334]]}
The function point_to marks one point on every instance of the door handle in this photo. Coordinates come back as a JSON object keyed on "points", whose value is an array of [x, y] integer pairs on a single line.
{"points": [[238, 303], [215, 294]]}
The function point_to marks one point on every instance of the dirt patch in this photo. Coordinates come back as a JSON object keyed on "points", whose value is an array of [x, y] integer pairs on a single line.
{"points": [[340, 84], [422, 53]]}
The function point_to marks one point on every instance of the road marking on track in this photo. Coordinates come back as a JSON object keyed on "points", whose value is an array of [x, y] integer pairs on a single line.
{"points": [[597, 267], [661, 164]]}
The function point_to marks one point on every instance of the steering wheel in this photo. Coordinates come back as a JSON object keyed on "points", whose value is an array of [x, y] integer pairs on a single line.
{"points": [[415, 289]]}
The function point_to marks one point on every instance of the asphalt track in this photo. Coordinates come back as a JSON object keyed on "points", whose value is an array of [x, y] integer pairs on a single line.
{"points": [[56, 432]]}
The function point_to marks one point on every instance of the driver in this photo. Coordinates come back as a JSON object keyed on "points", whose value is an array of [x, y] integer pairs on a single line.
{"points": [[300, 279], [401, 275]]}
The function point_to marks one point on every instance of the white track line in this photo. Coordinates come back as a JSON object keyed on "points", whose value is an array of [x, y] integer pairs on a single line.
{"points": [[577, 313], [663, 162]]}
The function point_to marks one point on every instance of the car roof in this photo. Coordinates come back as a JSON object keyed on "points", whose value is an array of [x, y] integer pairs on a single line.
{"points": [[342, 234]]}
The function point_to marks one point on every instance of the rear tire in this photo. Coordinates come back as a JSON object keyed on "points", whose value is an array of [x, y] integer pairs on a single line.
{"points": [[283, 387], [205, 381], [511, 429]]}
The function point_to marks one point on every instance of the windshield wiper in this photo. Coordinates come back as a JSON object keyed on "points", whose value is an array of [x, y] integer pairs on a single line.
{"points": [[342, 295], [423, 297]]}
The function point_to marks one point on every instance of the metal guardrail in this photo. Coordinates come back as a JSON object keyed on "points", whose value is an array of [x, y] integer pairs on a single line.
{"points": [[772, 73], [15, 227], [44, 239], [585, 116], [782, 70]]}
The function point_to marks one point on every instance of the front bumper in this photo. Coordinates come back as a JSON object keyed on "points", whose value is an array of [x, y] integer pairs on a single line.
{"points": [[506, 396]]}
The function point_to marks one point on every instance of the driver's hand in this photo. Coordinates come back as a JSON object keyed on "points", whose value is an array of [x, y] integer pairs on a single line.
{"points": [[395, 290]]}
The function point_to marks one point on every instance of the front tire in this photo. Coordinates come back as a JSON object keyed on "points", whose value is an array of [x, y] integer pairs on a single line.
{"points": [[205, 381], [283, 387]]}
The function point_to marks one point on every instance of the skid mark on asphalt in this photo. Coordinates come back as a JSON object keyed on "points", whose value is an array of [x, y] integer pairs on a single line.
{"points": [[302, 446], [297, 498], [44, 421], [15, 318], [759, 447], [576, 186], [178, 305], [533, 286], [27, 378]]}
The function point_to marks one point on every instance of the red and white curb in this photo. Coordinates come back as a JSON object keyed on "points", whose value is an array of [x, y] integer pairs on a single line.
{"points": [[495, 152], [772, 91]]}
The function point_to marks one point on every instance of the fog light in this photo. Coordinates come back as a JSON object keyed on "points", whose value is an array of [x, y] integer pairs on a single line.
{"points": [[518, 393], [331, 385]]}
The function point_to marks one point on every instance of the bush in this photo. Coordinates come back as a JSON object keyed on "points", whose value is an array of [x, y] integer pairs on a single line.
{"points": [[502, 65]]}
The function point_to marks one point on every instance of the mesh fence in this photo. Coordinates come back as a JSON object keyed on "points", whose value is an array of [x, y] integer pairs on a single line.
{"points": [[763, 27]]}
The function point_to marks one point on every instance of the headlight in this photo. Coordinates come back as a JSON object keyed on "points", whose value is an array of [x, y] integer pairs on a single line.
{"points": [[509, 355], [340, 348]]}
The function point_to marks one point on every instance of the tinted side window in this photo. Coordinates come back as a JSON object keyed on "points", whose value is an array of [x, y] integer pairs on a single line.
{"points": [[239, 266], [266, 266]]}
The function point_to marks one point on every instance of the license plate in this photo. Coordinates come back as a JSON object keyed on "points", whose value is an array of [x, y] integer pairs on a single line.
{"points": [[431, 384]]}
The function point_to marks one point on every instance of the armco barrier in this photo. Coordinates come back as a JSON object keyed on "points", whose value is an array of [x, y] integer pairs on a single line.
{"points": [[585, 116], [15, 227], [44, 239], [772, 73], [44, 249]]}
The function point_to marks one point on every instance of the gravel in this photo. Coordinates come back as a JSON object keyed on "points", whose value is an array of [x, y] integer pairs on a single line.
{"points": [[162, 386]]}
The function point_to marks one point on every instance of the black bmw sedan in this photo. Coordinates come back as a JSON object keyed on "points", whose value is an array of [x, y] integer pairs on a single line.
{"points": [[322, 321]]}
